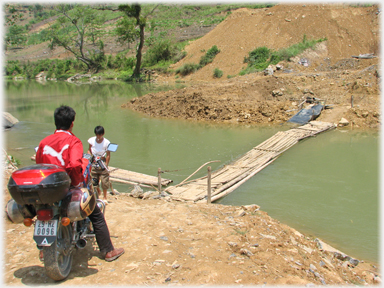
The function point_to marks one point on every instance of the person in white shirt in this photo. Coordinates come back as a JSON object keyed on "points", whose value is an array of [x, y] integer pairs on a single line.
{"points": [[98, 146]]}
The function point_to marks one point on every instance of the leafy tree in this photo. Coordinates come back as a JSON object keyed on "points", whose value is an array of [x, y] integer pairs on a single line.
{"points": [[16, 35], [125, 30], [74, 29], [134, 11]]}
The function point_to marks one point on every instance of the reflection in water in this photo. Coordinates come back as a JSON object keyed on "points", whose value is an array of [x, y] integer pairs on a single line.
{"points": [[326, 186]]}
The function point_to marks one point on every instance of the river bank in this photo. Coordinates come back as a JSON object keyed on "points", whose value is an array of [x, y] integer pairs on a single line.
{"points": [[174, 243]]}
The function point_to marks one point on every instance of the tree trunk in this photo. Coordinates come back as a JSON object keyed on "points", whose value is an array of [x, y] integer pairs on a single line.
{"points": [[136, 72]]}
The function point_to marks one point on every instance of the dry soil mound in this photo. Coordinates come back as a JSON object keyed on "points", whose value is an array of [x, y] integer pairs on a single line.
{"points": [[348, 30]]}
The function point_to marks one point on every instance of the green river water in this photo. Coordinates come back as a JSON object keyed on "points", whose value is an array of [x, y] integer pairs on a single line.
{"points": [[326, 186]]}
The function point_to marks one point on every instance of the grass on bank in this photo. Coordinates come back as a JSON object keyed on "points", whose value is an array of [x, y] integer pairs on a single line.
{"points": [[207, 58], [260, 58]]}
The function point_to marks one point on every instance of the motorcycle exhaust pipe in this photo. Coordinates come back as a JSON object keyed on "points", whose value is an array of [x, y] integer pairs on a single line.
{"points": [[81, 243]]}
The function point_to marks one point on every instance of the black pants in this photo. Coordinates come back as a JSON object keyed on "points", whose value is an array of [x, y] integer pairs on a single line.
{"points": [[100, 227]]}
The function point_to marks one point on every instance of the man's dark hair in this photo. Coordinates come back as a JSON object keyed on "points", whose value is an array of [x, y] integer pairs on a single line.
{"points": [[99, 130], [64, 116]]}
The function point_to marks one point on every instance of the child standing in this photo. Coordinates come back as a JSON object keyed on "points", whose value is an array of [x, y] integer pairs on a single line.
{"points": [[98, 146]]}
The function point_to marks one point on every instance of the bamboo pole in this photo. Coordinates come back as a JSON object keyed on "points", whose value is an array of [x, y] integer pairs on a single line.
{"points": [[159, 180], [218, 196], [183, 182], [209, 185]]}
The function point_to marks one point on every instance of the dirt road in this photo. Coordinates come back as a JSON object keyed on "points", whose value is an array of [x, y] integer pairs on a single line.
{"points": [[175, 243]]}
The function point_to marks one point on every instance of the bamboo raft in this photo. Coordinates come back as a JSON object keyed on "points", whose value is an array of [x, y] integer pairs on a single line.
{"points": [[230, 177], [134, 178]]}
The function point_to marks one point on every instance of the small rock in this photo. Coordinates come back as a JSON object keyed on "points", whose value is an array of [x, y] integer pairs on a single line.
{"points": [[268, 71], [354, 262], [294, 242], [313, 267], [8, 120], [232, 244], [136, 191], [164, 238], [343, 122], [276, 93], [245, 252], [377, 279], [252, 207], [325, 262], [232, 255], [268, 236], [158, 262], [241, 213], [307, 249], [341, 256]]}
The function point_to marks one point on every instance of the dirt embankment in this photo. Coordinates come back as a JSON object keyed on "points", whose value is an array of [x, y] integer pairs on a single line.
{"points": [[260, 99], [332, 74], [174, 243]]}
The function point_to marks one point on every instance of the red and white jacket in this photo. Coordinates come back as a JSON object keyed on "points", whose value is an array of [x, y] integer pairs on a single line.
{"points": [[64, 149]]}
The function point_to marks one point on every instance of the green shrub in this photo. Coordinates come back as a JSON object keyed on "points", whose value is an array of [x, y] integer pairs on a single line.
{"points": [[209, 56], [161, 50], [125, 75], [217, 73], [294, 50], [258, 55], [13, 68], [187, 69], [260, 58]]}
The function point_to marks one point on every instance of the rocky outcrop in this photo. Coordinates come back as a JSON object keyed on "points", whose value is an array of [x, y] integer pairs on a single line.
{"points": [[8, 120]]}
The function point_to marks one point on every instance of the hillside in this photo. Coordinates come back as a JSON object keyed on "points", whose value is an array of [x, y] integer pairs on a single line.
{"points": [[349, 30], [331, 75]]}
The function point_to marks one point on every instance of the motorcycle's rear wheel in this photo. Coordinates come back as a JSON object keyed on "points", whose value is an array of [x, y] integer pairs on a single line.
{"points": [[58, 256]]}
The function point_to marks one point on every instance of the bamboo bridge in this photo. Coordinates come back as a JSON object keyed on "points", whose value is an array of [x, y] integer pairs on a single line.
{"points": [[228, 178]]}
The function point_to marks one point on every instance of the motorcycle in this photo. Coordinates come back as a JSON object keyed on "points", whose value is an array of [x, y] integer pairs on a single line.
{"points": [[61, 225]]}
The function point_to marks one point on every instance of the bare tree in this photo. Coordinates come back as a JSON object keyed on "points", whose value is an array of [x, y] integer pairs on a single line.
{"points": [[74, 29]]}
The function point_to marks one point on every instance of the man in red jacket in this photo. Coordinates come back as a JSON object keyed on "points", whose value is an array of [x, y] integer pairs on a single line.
{"points": [[64, 149]]}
